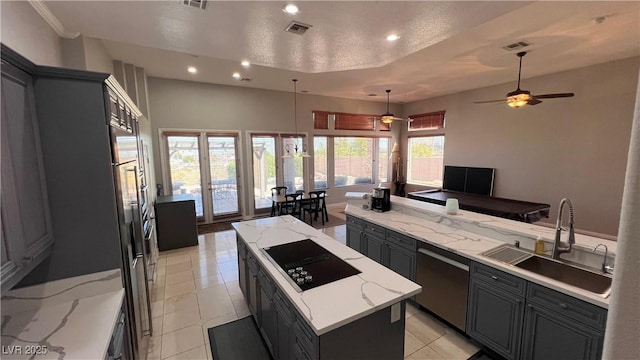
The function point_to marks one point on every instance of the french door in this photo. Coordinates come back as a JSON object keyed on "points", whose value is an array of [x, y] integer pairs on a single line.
{"points": [[270, 169], [205, 165]]}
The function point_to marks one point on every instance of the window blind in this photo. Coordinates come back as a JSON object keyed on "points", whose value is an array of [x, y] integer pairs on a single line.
{"points": [[428, 121], [354, 122]]}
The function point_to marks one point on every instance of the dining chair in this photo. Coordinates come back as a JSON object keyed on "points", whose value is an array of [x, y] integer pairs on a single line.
{"points": [[314, 205], [291, 206], [275, 191]]}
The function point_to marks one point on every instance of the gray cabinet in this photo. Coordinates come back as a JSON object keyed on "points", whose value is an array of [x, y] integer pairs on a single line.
{"points": [[355, 234], [27, 234], [495, 309], [242, 267], [393, 250], [557, 326], [268, 313], [401, 261], [253, 287], [376, 249]]}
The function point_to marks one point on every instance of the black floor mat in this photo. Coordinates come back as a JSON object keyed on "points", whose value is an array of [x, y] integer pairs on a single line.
{"points": [[238, 340]]}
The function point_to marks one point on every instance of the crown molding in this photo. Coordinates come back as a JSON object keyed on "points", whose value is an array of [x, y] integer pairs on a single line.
{"points": [[51, 19]]}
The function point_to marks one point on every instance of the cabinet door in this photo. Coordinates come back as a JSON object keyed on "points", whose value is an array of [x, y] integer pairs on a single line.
{"points": [[375, 249], [268, 315], [254, 288], [242, 268], [27, 230], [354, 239], [549, 335], [494, 318], [401, 261]]}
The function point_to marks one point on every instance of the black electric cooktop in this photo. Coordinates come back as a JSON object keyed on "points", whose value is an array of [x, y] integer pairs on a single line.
{"points": [[308, 265]]}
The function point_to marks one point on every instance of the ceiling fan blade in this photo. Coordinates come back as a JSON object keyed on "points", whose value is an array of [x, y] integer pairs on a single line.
{"points": [[489, 101], [552, 96], [534, 102]]}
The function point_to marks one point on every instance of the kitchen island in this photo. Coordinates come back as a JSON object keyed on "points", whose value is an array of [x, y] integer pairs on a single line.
{"points": [[359, 316]]}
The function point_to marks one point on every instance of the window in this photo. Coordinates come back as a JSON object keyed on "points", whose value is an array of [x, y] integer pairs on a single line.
{"points": [[429, 121], [292, 166], [383, 160], [320, 162], [425, 165], [353, 157]]}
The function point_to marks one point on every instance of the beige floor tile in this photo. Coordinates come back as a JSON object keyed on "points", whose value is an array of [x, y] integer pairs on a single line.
{"points": [[157, 293], [177, 259], [230, 276], [156, 322], [426, 353], [228, 267], [424, 327], [233, 287], [210, 269], [198, 353], [180, 302], [157, 308], [209, 281], [179, 267], [160, 280], [215, 322], [453, 346], [209, 353], [215, 302], [180, 319], [182, 340], [161, 263], [155, 348], [161, 271], [411, 310], [411, 344], [240, 305], [178, 277], [179, 289]]}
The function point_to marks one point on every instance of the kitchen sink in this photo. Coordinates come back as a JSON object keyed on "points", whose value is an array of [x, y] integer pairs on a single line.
{"points": [[571, 275]]}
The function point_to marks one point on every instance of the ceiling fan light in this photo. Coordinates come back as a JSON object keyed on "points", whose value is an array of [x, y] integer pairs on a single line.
{"points": [[519, 100], [387, 118]]}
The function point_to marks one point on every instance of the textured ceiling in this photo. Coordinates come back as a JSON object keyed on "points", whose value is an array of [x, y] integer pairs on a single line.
{"points": [[444, 47]]}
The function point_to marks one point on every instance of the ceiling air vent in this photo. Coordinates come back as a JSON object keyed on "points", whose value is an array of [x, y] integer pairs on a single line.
{"points": [[200, 4], [517, 46], [297, 28]]}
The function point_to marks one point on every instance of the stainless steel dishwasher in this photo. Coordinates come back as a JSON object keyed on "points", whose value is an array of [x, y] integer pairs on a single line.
{"points": [[444, 277]]}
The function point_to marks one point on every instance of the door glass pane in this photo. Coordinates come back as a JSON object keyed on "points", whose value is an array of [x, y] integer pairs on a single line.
{"points": [[184, 167], [292, 167], [320, 162], [264, 169], [383, 160], [222, 164], [353, 158]]}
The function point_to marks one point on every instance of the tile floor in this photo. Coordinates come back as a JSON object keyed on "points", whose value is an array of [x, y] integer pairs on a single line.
{"points": [[197, 288]]}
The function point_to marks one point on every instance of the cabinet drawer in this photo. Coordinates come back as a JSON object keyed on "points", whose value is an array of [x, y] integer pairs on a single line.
{"points": [[501, 279], [401, 240], [355, 222], [374, 229], [568, 306]]}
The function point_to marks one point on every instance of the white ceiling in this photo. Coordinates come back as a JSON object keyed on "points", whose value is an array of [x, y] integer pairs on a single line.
{"points": [[444, 46]]}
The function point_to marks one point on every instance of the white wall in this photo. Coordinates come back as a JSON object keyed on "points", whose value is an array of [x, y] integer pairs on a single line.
{"points": [[96, 56], [24, 31], [180, 104], [575, 147]]}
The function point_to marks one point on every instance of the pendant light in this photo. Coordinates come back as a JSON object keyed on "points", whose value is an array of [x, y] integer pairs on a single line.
{"points": [[387, 117], [295, 149]]}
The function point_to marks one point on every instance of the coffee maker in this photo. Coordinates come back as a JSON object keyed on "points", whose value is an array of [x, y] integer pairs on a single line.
{"points": [[381, 199]]}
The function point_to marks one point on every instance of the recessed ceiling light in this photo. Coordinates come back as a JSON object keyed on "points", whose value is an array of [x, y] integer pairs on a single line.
{"points": [[192, 70], [236, 75], [291, 9], [245, 63], [393, 37]]}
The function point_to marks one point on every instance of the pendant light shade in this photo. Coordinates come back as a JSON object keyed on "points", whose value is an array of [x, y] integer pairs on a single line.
{"points": [[295, 149], [387, 117]]}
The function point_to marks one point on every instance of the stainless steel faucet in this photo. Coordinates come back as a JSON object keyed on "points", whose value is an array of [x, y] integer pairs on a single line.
{"points": [[606, 268], [559, 246]]}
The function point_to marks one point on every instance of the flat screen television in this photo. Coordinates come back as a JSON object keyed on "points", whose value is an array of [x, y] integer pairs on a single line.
{"points": [[469, 179]]}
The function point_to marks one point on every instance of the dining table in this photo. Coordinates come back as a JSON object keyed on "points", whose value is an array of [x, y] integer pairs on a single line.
{"points": [[278, 200]]}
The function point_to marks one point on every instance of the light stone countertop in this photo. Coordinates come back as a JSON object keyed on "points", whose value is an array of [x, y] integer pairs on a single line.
{"points": [[470, 234], [335, 304], [65, 319]]}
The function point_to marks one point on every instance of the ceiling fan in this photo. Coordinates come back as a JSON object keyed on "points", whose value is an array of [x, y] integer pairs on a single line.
{"points": [[520, 98], [388, 117]]}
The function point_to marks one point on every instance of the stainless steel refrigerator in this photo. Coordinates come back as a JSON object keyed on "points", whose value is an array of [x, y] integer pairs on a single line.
{"points": [[127, 181]]}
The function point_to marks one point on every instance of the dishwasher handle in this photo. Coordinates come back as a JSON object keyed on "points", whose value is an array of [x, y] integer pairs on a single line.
{"points": [[443, 259]]}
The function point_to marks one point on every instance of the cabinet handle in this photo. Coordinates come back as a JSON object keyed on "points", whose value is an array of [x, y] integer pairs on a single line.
{"points": [[563, 305], [530, 306], [27, 258], [494, 277]]}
